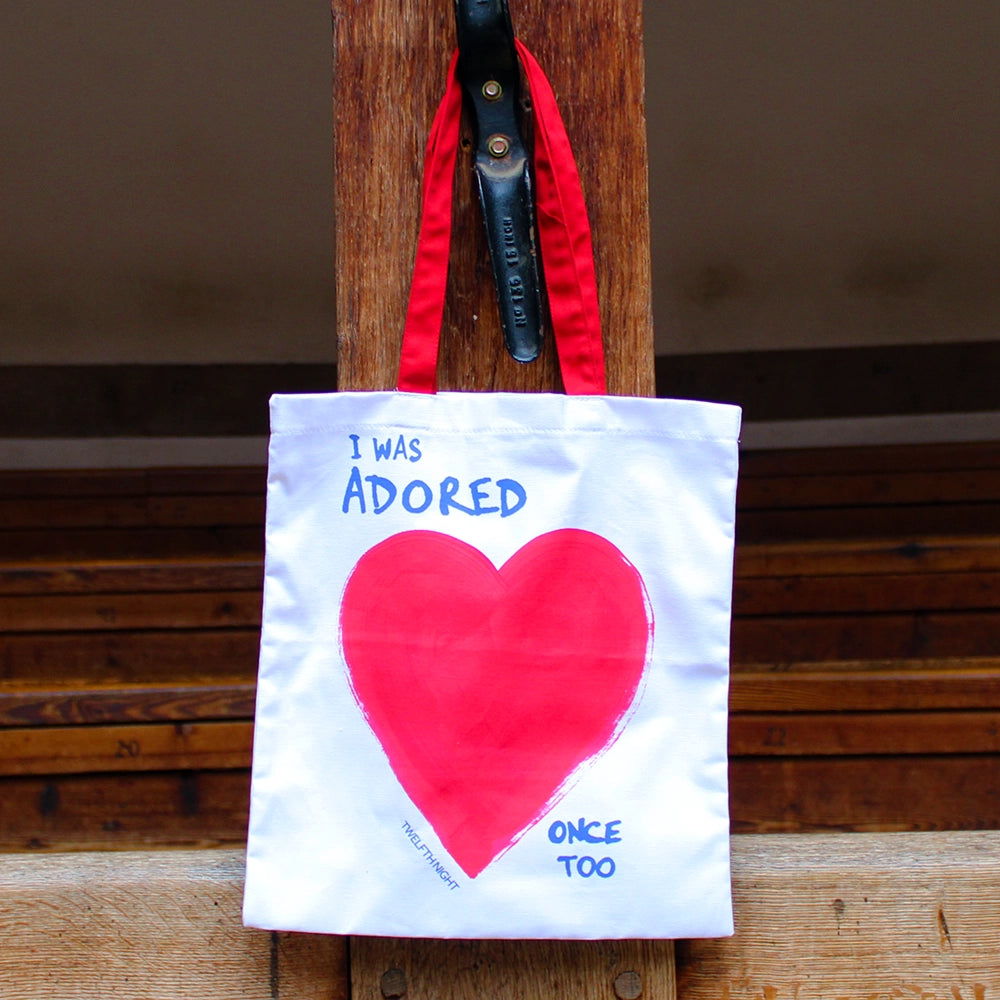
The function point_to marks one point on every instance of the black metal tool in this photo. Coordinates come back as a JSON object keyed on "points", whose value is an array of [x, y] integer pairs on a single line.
{"points": [[488, 70]]}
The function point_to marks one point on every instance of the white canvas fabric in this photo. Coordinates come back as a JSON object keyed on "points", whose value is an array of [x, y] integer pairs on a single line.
{"points": [[492, 698]]}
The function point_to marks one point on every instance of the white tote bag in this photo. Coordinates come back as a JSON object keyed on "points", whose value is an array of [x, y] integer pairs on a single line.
{"points": [[492, 697]]}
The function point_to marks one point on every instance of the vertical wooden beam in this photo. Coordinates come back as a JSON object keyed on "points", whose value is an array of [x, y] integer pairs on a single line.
{"points": [[390, 63], [385, 968]]}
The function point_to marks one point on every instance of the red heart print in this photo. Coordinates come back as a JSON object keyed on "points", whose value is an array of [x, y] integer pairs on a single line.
{"points": [[488, 688]]}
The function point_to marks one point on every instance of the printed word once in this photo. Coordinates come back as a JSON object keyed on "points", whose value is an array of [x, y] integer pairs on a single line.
{"points": [[584, 832], [587, 866], [481, 496], [436, 865]]}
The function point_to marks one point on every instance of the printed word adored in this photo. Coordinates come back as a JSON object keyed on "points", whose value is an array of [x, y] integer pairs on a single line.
{"points": [[481, 496]]}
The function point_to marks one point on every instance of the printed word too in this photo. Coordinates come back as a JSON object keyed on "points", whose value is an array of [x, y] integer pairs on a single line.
{"points": [[481, 496], [587, 866]]}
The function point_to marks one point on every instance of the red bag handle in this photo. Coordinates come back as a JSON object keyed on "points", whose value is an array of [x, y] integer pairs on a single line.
{"points": [[563, 235]]}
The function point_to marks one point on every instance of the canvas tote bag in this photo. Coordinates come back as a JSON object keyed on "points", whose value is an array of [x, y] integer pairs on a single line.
{"points": [[492, 697]]}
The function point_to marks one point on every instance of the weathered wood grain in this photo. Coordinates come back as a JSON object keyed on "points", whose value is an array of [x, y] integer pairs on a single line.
{"points": [[848, 686], [859, 557], [143, 926], [509, 970], [877, 459], [133, 511], [85, 544], [132, 576], [855, 916], [867, 733], [866, 685], [125, 611], [127, 810], [35, 483], [139, 747], [903, 792], [100, 703], [130, 810], [910, 635], [391, 63], [852, 488], [824, 915], [131, 657], [763, 524]]}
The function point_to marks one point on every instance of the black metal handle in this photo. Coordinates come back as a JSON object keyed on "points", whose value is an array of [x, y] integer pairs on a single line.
{"points": [[488, 70]]}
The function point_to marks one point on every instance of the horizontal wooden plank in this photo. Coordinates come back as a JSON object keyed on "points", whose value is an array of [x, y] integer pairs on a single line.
{"points": [[196, 573], [114, 811], [778, 639], [887, 521], [106, 649], [827, 382], [250, 480], [139, 747], [867, 593], [222, 480], [905, 792], [867, 733], [139, 400], [55, 749], [872, 458], [842, 557], [935, 555], [161, 924], [44, 545], [129, 657], [866, 685], [816, 465], [132, 512], [128, 611], [40, 484], [97, 703], [878, 915], [848, 489], [805, 687], [226, 399], [860, 557], [45, 483], [830, 915], [791, 493]]}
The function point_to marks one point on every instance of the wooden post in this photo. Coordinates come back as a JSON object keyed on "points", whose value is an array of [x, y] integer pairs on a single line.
{"points": [[390, 64]]}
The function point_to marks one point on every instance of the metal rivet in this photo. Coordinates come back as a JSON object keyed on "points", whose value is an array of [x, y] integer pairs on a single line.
{"points": [[628, 986], [492, 90], [393, 983], [498, 145]]}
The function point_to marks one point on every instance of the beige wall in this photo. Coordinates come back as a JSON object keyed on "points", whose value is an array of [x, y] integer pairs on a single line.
{"points": [[823, 174], [166, 181]]}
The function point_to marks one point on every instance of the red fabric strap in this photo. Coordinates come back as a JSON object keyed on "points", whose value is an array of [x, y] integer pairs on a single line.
{"points": [[425, 310], [563, 233]]}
